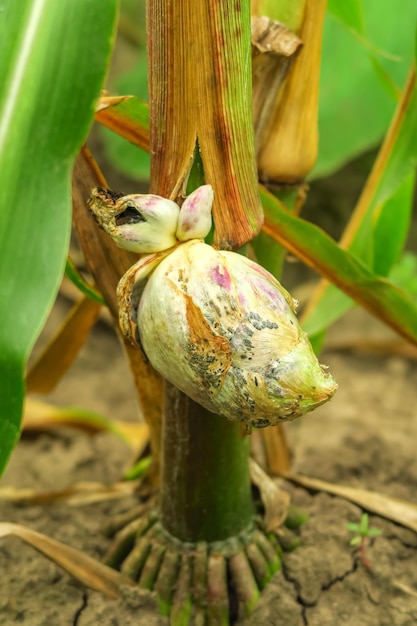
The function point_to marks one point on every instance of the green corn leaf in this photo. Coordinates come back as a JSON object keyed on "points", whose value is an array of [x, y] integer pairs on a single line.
{"points": [[53, 61], [355, 541], [349, 13], [383, 299], [391, 225], [381, 249], [356, 108], [123, 156], [378, 236], [404, 274], [363, 525], [75, 277]]}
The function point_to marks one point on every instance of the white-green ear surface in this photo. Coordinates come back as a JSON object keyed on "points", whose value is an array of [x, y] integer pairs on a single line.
{"points": [[195, 214], [145, 223]]}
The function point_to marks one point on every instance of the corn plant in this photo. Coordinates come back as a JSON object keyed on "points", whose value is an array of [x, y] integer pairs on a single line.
{"points": [[204, 549]]}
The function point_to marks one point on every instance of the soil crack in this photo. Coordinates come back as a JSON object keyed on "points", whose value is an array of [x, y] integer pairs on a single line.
{"points": [[298, 590], [401, 541], [81, 609], [342, 577]]}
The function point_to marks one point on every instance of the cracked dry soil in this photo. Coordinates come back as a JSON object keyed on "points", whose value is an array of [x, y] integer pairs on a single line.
{"points": [[365, 437]]}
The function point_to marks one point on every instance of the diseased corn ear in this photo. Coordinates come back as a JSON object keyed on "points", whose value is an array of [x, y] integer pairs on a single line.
{"points": [[195, 216], [146, 223], [223, 330], [140, 223]]}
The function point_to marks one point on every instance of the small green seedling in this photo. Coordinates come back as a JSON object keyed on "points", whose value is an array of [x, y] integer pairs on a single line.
{"points": [[362, 531]]}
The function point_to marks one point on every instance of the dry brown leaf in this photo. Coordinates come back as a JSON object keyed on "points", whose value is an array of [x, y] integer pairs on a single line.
{"points": [[217, 112], [107, 264], [42, 416], [274, 48], [269, 448], [136, 435], [109, 115], [399, 511], [288, 146], [273, 498], [61, 352], [90, 572], [405, 588], [80, 493]]}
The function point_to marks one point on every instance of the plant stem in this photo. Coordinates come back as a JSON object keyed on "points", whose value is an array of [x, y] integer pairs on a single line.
{"points": [[364, 558], [205, 487], [199, 91]]}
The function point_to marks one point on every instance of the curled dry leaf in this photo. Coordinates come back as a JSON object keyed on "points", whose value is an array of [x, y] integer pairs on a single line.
{"points": [[127, 116], [79, 494], [100, 252], [270, 449], [398, 511], [405, 588], [61, 352], [90, 572], [273, 498], [274, 48]]}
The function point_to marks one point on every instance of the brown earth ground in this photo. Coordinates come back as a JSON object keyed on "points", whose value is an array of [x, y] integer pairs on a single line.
{"points": [[366, 437]]}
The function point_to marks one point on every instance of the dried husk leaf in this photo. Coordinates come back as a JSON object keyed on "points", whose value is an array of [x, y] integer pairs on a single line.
{"points": [[270, 449], [211, 105], [90, 572], [405, 588], [274, 48], [288, 148], [60, 353], [274, 499], [118, 114], [78, 494], [107, 264], [399, 511]]}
